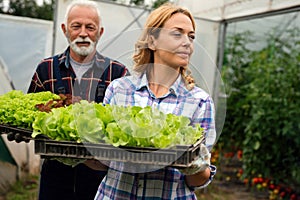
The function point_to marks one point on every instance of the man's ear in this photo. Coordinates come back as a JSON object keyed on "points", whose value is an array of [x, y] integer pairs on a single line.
{"points": [[101, 31], [152, 43], [64, 29]]}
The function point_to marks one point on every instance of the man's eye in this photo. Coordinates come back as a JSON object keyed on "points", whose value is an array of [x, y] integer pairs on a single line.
{"points": [[75, 27], [91, 28]]}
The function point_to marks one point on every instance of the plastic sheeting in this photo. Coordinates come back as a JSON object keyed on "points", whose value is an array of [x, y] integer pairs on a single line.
{"points": [[121, 24], [218, 10], [6, 82], [122, 27], [24, 42], [261, 28]]}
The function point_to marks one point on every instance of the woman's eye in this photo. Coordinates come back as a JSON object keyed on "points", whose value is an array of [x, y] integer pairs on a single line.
{"points": [[176, 34], [192, 37]]}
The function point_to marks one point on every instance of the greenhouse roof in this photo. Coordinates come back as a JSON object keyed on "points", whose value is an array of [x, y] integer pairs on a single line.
{"points": [[219, 10]]}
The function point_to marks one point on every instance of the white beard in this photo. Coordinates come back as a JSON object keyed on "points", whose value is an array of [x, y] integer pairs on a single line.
{"points": [[82, 51]]}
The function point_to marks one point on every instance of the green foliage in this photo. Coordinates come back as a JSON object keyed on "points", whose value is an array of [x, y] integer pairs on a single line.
{"points": [[117, 125], [263, 105], [24, 189], [158, 3], [137, 2], [236, 61], [29, 8], [1, 6], [46, 11], [18, 109]]}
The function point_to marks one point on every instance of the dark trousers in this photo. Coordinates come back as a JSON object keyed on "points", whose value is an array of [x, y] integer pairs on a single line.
{"points": [[63, 182]]}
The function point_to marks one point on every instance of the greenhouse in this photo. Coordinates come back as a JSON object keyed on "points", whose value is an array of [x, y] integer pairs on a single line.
{"points": [[247, 55]]}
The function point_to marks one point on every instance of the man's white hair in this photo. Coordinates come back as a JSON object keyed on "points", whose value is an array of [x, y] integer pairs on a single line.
{"points": [[83, 3]]}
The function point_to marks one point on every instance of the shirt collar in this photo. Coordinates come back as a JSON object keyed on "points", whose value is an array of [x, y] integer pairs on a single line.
{"points": [[64, 58], [174, 89], [143, 82], [99, 59]]}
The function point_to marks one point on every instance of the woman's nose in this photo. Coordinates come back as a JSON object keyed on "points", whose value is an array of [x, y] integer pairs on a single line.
{"points": [[187, 41]]}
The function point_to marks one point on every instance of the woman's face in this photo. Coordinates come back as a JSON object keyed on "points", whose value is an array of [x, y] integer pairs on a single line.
{"points": [[174, 45]]}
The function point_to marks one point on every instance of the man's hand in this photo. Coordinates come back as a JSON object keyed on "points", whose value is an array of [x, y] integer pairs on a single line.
{"points": [[95, 165], [18, 137]]}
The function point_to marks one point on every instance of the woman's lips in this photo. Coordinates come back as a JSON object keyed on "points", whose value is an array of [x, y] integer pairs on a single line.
{"points": [[183, 54]]}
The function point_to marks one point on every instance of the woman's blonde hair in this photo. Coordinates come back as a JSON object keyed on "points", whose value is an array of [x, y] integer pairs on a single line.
{"points": [[155, 22]]}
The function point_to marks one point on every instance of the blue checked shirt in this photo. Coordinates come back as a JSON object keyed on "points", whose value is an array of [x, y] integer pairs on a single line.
{"points": [[166, 183]]}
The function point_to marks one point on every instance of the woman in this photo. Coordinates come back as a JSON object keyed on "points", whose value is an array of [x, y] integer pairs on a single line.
{"points": [[162, 81]]}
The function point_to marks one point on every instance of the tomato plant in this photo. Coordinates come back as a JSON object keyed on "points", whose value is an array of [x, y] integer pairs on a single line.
{"points": [[263, 106]]}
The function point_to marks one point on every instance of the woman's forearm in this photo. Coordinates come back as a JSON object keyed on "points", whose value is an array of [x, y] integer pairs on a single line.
{"points": [[198, 179]]}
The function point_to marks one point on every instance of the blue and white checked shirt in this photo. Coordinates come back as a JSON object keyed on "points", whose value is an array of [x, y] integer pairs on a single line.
{"points": [[166, 183]]}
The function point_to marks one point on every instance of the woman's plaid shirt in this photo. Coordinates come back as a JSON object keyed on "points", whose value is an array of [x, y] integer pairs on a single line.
{"points": [[165, 183]]}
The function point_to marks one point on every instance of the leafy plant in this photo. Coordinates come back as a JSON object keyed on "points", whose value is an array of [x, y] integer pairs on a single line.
{"points": [[272, 133], [117, 125], [263, 105], [236, 62], [18, 109], [25, 188]]}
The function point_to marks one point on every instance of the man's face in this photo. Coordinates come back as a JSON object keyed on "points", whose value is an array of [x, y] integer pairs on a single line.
{"points": [[82, 50], [83, 31]]}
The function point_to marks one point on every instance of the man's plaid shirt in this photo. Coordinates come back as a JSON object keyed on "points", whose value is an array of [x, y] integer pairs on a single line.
{"points": [[45, 77]]}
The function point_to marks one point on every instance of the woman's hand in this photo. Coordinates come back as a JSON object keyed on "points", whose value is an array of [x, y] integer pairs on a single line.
{"points": [[198, 179], [199, 172]]}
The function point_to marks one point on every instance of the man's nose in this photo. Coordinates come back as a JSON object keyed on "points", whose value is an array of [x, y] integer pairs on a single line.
{"points": [[83, 32]]}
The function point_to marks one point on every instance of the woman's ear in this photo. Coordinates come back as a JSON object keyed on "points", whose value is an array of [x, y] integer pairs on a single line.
{"points": [[152, 43]]}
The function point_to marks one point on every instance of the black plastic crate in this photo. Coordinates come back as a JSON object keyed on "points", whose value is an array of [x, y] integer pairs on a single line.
{"points": [[176, 156], [15, 133], [4, 128]]}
